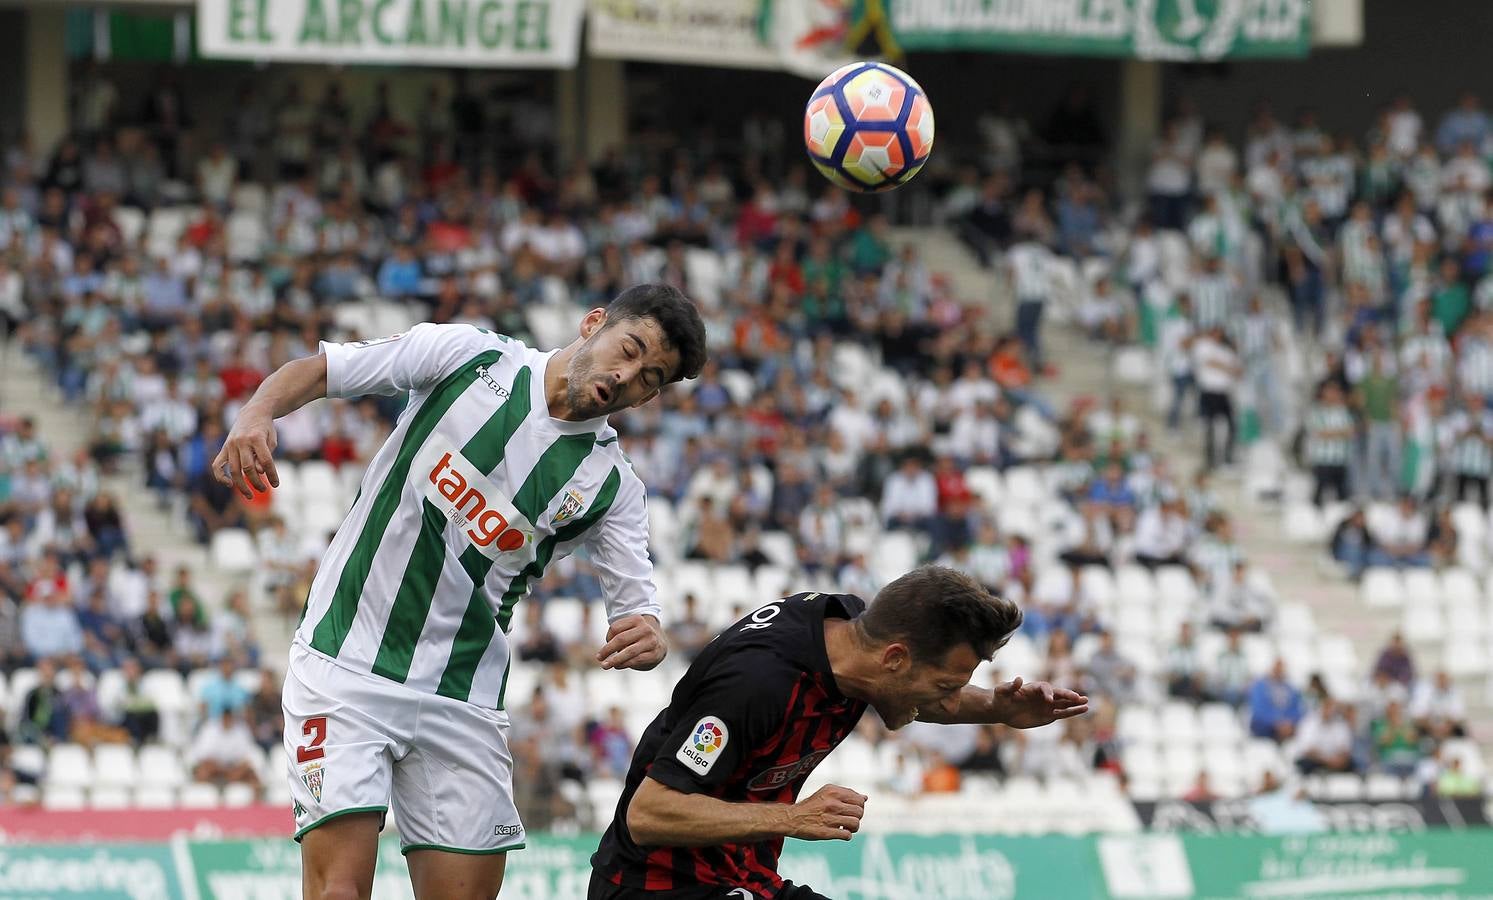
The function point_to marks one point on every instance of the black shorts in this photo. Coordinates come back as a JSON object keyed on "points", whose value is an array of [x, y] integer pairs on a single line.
{"points": [[601, 889]]}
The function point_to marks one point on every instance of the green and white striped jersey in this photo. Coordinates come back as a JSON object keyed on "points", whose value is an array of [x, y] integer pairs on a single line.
{"points": [[475, 492]]}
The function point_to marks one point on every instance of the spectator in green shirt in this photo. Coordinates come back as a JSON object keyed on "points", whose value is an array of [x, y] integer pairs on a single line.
{"points": [[1454, 782], [1396, 741], [870, 247], [1451, 303], [1378, 402]]}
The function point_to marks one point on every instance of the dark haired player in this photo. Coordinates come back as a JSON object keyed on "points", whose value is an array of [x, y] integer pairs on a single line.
{"points": [[713, 788]]}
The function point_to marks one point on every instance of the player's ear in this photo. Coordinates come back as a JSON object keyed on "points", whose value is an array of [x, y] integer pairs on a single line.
{"points": [[895, 657], [593, 321]]}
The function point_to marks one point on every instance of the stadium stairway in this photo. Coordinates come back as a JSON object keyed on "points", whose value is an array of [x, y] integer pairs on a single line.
{"points": [[164, 534], [1299, 571]]}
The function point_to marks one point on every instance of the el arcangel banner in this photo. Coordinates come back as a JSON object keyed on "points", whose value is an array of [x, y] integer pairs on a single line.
{"points": [[499, 33], [1170, 30]]}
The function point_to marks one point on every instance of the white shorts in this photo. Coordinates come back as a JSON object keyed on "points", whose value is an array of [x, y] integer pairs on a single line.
{"points": [[354, 742]]}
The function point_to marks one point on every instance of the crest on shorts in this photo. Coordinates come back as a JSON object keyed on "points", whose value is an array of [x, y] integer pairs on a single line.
{"points": [[570, 508], [312, 775]]}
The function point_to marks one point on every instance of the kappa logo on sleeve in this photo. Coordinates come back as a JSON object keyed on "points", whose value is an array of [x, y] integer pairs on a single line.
{"points": [[371, 342], [704, 745]]}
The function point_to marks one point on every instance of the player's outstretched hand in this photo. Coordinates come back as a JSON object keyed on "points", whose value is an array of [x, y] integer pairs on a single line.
{"points": [[1036, 703], [633, 642], [832, 813], [247, 456]]}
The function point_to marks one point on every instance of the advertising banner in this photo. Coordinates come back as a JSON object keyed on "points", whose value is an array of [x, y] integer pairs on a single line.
{"points": [[1171, 30], [490, 33], [1244, 816], [99, 872], [805, 38], [702, 32], [1429, 865]]}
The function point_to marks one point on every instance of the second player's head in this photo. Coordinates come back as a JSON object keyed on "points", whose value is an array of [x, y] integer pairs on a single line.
{"points": [[651, 335], [928, 630]]}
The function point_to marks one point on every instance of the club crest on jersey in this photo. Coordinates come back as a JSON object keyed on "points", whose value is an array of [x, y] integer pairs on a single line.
{"points": [[468, 498], [570, 508], [312, 775], [704, 745]]}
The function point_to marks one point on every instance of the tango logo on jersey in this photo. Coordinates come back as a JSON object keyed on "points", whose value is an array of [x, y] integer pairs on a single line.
{"points": [[471, 500], [773, 779], [702, 748], [570, 508]]}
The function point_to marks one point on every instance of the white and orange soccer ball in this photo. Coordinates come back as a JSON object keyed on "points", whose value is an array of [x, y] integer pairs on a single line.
{"points": [[868, 127]]}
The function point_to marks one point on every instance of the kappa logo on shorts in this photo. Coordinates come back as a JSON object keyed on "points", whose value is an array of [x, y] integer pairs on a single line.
{"points": [[312, 775], [741, 892], [704, 745], [506, 830]]}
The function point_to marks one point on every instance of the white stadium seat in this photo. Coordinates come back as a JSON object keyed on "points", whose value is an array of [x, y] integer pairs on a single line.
{"points": [[63, 798], [161, 766], [114, 765], [109, 798], [200, 796], [69, 765], [1382, 588], [233, 551]]}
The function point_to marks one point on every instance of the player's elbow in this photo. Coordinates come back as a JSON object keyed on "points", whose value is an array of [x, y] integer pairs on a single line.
{"points": [[646, 818], [642, 823]]}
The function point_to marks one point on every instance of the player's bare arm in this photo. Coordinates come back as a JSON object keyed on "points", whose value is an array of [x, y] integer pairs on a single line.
{"points": [[661, 816], [246, 461], [1019, 704]]}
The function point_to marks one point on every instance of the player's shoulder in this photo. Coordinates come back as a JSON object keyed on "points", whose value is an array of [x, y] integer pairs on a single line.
{"points": [[468, 335]]}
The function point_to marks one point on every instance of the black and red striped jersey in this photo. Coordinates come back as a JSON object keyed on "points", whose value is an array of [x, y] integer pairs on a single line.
{"points": [[753, 716]]}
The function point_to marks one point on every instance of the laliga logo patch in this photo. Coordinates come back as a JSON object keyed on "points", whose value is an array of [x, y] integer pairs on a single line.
{"points": [[312, 775], [704, 745]]}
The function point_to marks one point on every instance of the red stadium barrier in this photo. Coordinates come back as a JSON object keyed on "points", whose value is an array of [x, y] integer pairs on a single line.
{"points": [[44, 826]]}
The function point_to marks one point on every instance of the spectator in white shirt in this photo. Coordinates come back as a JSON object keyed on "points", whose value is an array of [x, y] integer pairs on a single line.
{"points": [[216, 174], [975, 437], [1176, 337], [1184, 668], [1237, 604], [224, 752], [1437, 708], [1324, 741], [1217, 370], [909, 498], [1400, 536], [1161, 535]]}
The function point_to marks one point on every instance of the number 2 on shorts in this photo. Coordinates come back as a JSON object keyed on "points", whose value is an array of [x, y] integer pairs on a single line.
{"points": [[316, 729]]}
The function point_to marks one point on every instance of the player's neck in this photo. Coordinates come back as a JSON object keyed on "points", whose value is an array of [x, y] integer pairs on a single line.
{"points": [[846, 658], [556, 393]]}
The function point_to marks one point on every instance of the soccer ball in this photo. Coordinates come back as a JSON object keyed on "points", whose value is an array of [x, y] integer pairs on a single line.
{"points": [[868, 127]]}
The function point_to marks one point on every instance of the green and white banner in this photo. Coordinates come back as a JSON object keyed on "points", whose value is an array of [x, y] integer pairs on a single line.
{"points": [[1433, 865], [805, 37], [493, 33], [1169, 30]]}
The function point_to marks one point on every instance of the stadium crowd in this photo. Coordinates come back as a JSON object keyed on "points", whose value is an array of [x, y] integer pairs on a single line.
{"points": [[849, 393]]}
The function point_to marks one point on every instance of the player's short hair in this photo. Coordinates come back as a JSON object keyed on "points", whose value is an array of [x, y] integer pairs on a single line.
{"points": [[676, 317], [934, 609]]}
